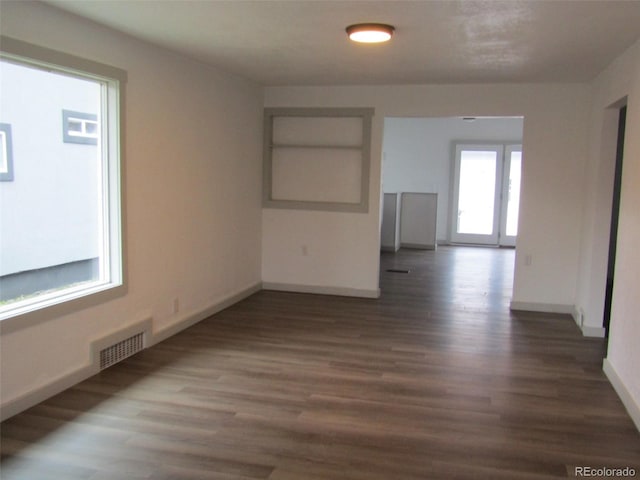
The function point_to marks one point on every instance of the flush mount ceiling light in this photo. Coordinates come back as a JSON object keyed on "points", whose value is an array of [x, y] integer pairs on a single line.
{"points": [[370, 32]]}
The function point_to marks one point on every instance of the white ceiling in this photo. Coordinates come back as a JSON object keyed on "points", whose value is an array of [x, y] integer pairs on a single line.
{"points": [[303, 42]]}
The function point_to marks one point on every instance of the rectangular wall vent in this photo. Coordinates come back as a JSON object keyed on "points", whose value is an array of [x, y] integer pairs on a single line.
{"points": [[121, 350]]}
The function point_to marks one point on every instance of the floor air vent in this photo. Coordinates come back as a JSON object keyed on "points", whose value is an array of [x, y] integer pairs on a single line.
{"points": [[398, 270], [121, 350]]}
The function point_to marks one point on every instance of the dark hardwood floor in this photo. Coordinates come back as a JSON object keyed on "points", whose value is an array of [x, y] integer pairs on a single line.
{"points": [[435, 380]]}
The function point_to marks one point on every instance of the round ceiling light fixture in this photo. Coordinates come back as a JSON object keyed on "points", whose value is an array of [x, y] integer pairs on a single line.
{"points": [[370, 32]]}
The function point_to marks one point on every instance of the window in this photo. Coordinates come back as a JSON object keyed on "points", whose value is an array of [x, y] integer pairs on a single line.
{"points": [[60, 218], [317, 158], [6, 153], [78, 127]]}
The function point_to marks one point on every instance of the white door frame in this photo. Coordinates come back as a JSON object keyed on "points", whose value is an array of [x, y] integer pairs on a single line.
{"points": [[504, 239], [478, 239]]}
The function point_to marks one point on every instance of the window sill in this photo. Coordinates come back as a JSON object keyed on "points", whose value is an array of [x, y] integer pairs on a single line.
{"points": [[26, 314]]}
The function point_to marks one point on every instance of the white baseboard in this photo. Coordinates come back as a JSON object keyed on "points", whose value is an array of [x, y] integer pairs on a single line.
{"points": [[190, 318], [597, 332], [628, 401], [27, 400], [321, 290], [40, 394], [542, 307], [572, 310], [587, 330], [418, 246]]}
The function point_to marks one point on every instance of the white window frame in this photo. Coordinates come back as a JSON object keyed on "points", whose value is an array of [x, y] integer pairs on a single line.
{"points": [[112, 283]]}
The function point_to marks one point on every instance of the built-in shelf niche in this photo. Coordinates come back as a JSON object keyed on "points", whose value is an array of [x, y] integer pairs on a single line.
{"points": [[317, 158]]}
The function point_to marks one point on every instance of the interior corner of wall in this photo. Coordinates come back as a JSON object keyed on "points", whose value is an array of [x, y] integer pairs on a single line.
{"points": [[578, 315]]}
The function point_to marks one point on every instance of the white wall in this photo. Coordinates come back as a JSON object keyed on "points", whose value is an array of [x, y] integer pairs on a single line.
{"points": [[418, 154], [610, 89], [624, 354], [621, 79], [343, 249], [193, 160]]}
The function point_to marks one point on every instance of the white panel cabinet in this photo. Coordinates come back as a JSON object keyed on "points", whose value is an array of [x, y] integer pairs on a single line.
{"points": [[418, 220], [390, 231]]}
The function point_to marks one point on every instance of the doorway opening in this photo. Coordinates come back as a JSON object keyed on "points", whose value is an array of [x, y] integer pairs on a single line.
{"points": [[419, 160], [486, 198], [615, 214]]}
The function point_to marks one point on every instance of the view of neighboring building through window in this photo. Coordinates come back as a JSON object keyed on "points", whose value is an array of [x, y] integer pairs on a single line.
{"points": [[58, 237], [6, 153], [78, 127]]}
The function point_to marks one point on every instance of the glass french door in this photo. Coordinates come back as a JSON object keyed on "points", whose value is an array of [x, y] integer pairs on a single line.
{"points": [[486, 194], [510, 195]]}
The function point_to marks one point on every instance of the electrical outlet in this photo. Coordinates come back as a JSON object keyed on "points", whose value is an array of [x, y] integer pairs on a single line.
{"points": [[176, 305], [528, 259]]}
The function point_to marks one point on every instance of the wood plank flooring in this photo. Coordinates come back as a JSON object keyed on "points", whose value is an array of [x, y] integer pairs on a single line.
{"points": [[435, 380]]}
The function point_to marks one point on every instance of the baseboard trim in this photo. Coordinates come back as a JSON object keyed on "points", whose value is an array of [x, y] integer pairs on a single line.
{"points": [[572, 310], [618, 385], [192, 317], [29, 399], [418, 246], [596, 332], [542, 307], [321, 290], [587, 331], [391, 249]]}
